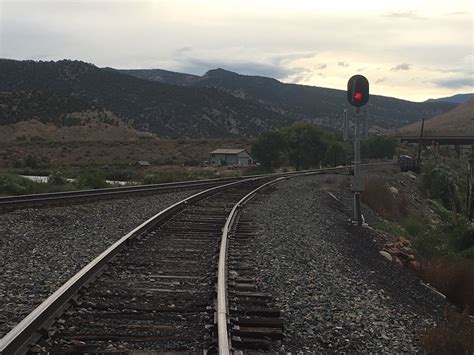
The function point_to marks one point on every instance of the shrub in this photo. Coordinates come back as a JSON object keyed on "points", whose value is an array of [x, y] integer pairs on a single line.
{"points": [[442, 183], [453, 336], [378, 147], [15, 185], [453, 277], [378, 196], [57, 178], [92, 180]]}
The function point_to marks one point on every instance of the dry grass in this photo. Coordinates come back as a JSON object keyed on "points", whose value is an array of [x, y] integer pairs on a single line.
{"points": [[377, 196], [454, 336], [329, 184], [453, 278]]}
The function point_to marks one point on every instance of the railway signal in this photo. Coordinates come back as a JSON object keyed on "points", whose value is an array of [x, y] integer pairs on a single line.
{"points": [[357, 95], [358, 90]]}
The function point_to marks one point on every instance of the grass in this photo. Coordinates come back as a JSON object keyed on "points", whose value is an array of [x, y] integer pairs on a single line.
{"points": [[16, 185], [453, 336], [377, 196], [454, 277], [174, 176]]}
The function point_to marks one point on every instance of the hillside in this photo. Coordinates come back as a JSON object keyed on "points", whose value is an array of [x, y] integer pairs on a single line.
{"points": [[322, 106], [162, 76], [457, 122], [218, 104], [456, 99], [166, 110]]}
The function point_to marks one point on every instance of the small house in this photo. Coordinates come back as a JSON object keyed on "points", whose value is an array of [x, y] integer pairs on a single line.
{"points": [[142, 163], [230, 157]]}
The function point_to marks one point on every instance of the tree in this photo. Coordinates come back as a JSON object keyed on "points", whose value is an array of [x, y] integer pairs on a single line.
{"points": [[335, 154], [306, 145], [269, 149], [378, 147]]}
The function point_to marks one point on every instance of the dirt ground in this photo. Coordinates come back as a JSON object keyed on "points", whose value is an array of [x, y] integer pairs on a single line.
{"points": [[157, 151]]}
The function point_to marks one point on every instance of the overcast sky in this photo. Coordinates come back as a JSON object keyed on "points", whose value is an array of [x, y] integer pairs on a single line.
{"points": [[411, 49]]}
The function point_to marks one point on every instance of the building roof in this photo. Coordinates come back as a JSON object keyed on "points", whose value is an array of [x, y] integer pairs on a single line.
{"points": [[143, 163], [228, 151]]}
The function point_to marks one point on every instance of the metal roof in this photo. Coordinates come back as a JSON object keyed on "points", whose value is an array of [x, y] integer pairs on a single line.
{"points": [[227, 151]]}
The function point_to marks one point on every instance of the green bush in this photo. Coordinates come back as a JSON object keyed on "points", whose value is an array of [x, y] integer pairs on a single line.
{"points": [[92, 180], [462, 236], [415, 225], [57, 178], [378, 147], [468, 253], [441, 182], [15, 185], [336, 154]]}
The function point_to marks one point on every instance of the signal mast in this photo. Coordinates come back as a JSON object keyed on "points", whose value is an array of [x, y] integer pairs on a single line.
{"points": [[358, 96]]}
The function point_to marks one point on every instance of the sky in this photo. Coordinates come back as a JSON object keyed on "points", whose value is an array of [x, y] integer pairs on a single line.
{"points": [[410, 49]]}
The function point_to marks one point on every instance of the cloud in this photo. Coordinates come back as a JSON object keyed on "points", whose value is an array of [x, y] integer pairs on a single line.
{"points": [[409, 15], [381, 80], [343, 64], [403, 66], [362, 69], [454, 83], [457, 13], [199, 66], [241, 60], [321, 66]]}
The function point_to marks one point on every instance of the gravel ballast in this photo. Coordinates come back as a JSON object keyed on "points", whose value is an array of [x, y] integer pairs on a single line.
{"points": [[42, 248], [338, 294]]}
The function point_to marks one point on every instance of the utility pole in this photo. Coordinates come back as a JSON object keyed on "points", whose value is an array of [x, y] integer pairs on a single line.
{"points": [[357, 95], [418, 162]]}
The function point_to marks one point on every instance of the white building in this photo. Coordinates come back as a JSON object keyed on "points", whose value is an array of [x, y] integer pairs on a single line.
{"points": [[232, 157]]}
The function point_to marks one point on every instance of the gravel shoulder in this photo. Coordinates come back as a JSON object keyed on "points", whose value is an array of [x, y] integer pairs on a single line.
{"points": [[42, 248], [337, 292]]}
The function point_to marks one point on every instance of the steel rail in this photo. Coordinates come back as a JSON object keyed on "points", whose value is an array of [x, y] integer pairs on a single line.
{"points": [[44, 198], [222, 314], [26, 332]]}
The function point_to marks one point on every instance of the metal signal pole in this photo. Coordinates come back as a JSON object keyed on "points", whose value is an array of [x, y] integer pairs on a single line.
{"points": [[357, 95]]}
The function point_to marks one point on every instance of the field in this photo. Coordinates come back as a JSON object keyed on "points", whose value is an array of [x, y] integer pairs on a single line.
{"points": [[159, 152]]}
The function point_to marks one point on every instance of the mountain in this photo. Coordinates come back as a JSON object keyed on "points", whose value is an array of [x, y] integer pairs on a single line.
{"points": [[457, 122], [167, 110], [319, 105], [456, 99], [162, 76], [217, 104]]}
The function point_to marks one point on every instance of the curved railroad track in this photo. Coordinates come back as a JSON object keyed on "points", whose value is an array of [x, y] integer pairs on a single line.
{"points": [[155, 288]]}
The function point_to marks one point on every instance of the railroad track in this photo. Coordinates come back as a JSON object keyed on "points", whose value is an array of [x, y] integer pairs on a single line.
{"points": [[55, 198], [155, 288], [61, 198]]}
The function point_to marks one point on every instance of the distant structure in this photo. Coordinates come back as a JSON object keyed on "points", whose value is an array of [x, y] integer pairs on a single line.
{"points": [[142, 163], [230, 157]]}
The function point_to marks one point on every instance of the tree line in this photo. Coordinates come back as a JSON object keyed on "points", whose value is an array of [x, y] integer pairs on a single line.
{"points": [[304, 145]]}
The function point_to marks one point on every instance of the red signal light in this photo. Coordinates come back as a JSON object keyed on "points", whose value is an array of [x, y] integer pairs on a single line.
{"points": [[358, 90]]}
